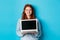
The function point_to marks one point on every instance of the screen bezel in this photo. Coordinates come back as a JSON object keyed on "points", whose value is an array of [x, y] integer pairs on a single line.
{"points": [[29, 29]]}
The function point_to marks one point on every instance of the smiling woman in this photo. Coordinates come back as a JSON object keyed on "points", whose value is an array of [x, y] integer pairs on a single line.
{"points": [[28, 13]]}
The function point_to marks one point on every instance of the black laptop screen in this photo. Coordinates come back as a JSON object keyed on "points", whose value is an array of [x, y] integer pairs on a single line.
{"points": [[26, 25]]}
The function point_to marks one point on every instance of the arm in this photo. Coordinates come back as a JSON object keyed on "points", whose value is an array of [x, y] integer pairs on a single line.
{"points": [[39, 30], [18, 32]]}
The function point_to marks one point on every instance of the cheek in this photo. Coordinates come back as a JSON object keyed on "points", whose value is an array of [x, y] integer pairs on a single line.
{"points": [[25, 12], [30, 12]]}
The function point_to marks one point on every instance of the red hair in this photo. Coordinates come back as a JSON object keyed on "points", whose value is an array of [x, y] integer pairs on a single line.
{"points": [[24, 15]]}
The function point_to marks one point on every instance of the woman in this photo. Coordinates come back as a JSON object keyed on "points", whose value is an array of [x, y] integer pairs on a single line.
{"points": [[28, 13]]}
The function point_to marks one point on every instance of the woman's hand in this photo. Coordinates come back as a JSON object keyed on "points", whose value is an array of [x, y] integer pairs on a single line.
{"points": [[33, 32], [24, 33]]}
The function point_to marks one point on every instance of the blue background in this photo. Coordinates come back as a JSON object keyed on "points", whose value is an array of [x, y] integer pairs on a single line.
{"points": [[47, 11]]}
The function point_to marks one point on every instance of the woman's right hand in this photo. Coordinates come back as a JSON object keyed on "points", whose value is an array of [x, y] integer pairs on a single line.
{"points": [[24, 33]]}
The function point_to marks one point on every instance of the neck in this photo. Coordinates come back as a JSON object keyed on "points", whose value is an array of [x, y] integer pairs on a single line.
{"points": [[28, 17]]}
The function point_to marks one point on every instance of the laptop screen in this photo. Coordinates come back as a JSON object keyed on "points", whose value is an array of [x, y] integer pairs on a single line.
{"points": [[27, 25]]}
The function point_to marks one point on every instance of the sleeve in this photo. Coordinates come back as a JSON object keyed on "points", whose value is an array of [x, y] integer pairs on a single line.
{"points": [[18, 29], [39, 30]]}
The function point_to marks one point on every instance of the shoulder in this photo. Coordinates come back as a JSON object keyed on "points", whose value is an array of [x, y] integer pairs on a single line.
{"points": [[37, 19], [18, 21]]}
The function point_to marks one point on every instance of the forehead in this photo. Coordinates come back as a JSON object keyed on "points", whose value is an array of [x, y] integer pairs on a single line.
{"points": [[28, 7]]}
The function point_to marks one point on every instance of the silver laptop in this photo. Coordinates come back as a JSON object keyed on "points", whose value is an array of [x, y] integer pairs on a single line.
{"points": [[29, 25]]}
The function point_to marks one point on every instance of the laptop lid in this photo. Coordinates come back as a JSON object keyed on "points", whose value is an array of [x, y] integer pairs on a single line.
{"points": [[29, 25]]}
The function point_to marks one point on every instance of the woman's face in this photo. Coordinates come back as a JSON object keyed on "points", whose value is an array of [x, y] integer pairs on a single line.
{"points": [[28, 11]]}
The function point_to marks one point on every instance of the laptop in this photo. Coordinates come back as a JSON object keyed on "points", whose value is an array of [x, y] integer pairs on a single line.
{"points": [[29, 25]]}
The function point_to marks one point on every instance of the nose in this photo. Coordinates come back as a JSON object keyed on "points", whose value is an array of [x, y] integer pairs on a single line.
{"points": [[28, 11]]}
